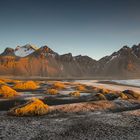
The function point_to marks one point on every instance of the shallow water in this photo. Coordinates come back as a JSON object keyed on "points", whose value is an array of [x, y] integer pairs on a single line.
{"points": [[128, 82], [66, 92]]}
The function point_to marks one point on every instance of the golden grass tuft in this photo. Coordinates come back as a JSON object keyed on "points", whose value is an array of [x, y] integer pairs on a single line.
{"points": [[123, 96], [95, 89], [104, 91], [35, 107], [10, 81], [59, 85], [81, 87], [28, 85], [76, 94], [101, 96], [52, 91], [7, 92], [2, 82], [38, 83], [132, 93]]}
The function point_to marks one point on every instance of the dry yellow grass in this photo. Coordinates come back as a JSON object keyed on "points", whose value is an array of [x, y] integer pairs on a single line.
{"points": [[81, 88], [132, 94], [7, 92], [59, 85], [95, 89], [29, 85], [38, 83], [123, 96], [10, 81], [101, 96], [35, 107], [76, 94], [52, 91], [2, 82], [68, 83], [104, 91], [136, 95]]}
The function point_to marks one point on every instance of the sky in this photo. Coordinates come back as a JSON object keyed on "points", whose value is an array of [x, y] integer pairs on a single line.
{"points": [[89, 27]]}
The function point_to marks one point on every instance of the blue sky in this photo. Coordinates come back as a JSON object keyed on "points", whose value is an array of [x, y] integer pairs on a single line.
{"points": [[89, 27]]}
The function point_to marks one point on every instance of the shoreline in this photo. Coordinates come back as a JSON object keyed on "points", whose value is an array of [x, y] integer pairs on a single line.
{"points": [[67, 78], [115, 83]]}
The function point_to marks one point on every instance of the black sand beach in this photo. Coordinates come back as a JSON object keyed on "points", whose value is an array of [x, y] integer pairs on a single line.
{"points": [[98, 125], [73, 118]]}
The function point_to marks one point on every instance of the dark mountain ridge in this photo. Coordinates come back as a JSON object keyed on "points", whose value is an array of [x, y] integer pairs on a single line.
{"points": [[45, 62]]}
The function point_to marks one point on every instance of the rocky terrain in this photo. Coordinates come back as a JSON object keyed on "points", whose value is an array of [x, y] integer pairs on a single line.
{"points": [[29, 60], [88, 126]]}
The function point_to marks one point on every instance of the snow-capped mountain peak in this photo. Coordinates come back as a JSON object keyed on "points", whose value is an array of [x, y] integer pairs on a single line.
{"points": [[25, 50]]}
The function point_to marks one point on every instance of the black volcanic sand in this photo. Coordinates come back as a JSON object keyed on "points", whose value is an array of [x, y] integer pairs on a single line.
{"points": [[7, 104], [98, 125], [56, 100]]}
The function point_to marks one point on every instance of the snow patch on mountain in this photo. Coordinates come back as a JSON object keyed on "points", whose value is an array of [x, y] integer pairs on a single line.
{"points": [[23, 51], [112, 58]]}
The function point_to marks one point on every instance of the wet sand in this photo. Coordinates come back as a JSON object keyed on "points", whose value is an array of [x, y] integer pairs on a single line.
{"points": [[109, 85], [115, 83]]}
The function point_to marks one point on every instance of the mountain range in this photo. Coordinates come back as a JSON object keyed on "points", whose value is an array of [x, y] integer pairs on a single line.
{"points": [[29, 60]]}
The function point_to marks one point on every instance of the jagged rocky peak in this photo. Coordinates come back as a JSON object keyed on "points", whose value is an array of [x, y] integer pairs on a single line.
{"points": [[125, 47], [66, 57], [8, 52], [84, 58], [136, 50], [79, 56], [136, 47], [44, 51], [27, 46], [25, 50], [124, 50]]}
